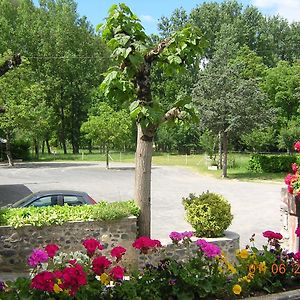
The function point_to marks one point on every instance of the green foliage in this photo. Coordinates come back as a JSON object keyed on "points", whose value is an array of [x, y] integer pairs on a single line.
{"points": [[288, 135], [271, 163], [209, 214], [44, 216], [259, 139], [20, 149], [208, 141]]}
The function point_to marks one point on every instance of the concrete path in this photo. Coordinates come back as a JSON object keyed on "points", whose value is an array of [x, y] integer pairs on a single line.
{"points": [[255, 206]]}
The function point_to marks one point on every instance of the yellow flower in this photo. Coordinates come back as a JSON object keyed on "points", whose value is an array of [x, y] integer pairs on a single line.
{"points": [[231, 268], [245, 278], [250, 276], [243, 254], [237, 289], [57, 289], [104, 278], [262, 267]]}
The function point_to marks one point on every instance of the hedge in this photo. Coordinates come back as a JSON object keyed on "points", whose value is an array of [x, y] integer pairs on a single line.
{"points": [[42, 216], [271, 163]]}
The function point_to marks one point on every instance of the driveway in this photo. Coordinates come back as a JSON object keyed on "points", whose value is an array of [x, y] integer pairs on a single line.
{"points": [[255, 206]]}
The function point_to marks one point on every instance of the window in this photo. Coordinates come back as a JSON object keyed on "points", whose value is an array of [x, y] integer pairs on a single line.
{"points": [[73, 200], [45, 201]]}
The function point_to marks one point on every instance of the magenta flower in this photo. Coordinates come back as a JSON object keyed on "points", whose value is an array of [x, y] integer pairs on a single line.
{"points": [[297, 256], [187, 234], [288, 178], [37, 256], [272, 235], [298, 232], [175, 236], [210, 250], [297, 146]]}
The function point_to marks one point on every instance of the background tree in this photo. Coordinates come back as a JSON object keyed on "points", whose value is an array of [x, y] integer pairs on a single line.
{"points": [[108, 128], [129, 80]]}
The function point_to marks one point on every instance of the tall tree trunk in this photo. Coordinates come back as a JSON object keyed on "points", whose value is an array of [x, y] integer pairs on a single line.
{"points": [[8, 151], [63, 130], [36, 148], [43, 147], [143, 161], [220, 165], [48, 147], [106, 155], [225, 151]]}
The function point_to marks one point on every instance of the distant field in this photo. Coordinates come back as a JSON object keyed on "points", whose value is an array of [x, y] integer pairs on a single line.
{"points": [[237, 163]]}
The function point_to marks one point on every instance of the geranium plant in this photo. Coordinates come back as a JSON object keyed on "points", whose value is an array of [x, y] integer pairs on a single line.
{"points": [[292, 180]]}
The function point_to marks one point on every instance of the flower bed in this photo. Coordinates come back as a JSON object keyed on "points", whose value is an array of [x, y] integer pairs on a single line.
{"points": [[89, 274]]}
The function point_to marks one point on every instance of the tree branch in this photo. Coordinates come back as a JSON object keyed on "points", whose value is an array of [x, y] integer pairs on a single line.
{"points": [[172, 114], [153, 53], [10, 64]]}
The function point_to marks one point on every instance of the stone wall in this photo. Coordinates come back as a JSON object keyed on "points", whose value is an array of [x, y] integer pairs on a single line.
{"points": [[17, 244], [228, 244]]}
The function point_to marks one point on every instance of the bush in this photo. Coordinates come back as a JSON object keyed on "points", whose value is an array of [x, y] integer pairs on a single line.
{"points": [[20, 149], [209, 214], [43, 216], [271, 163]]}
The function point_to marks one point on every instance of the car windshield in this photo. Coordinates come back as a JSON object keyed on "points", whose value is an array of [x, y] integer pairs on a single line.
{"points": [[20, 202]]}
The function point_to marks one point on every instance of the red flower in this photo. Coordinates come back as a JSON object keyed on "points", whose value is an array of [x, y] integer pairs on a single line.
{"points": [[297, 146], [272, 235], [144, 243], [294, 167], [91, 245], [288, 179], [99, 264], [51, 250], [43, 281], [73, 278], [298, 231], [290, 189], [297, 256], [118, 252], [117, 273]]}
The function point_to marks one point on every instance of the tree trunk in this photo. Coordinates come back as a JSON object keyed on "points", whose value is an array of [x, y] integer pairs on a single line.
{"points": [[8, 151], [143, 161], [63, 130], [43, 147], [36, 149], [106, 155], [220, 165], [48, 147], [225, 151], [90, 146]]}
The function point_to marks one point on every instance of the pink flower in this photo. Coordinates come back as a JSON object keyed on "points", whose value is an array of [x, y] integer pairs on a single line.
{"points": [[210, 250], [297, 146], [37, 256], [144, 243], [294, 167], [288, 179], [91, 245], [290, 189], [272, 235], [175, 236], [99, 264], [118, 252], [187, 234], [117, 273], [51, 250], [298, 231], [297, 256]]}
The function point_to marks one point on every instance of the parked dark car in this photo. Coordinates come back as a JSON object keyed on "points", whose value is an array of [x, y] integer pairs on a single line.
{"points": [[55, 197]]}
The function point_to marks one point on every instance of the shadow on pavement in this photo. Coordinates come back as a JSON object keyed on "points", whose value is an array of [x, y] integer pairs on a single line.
{"points": [[12, 193], [41, 165]]}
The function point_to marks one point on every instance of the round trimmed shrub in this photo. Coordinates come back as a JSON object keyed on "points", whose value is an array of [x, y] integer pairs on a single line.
{"points": [[209, 214]]}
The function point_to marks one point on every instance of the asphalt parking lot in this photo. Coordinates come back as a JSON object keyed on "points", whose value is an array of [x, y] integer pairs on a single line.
{"points": [[255, 206]]}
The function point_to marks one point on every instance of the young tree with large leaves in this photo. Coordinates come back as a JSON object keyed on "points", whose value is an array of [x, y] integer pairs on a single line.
{"points": [[129, 80]]}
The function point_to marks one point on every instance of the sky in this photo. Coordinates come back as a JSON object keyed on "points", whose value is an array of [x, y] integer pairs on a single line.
{"points": [[150, 11]]}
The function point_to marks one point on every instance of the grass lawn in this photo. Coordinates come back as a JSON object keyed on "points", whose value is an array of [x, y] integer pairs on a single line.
{"points": [[237, 163]]}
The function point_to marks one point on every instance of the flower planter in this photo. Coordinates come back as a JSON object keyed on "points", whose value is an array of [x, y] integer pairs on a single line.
{"points": [[295, 294], [291, 201]]}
